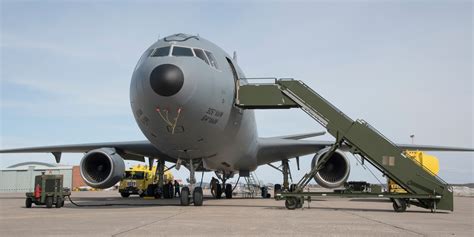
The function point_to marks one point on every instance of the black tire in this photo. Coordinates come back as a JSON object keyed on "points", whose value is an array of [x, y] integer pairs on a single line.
{"points": [[402, 207], [291, 203], [166, 191], [49, 202], [276, 189], [228, 191], [62, 202], [292, 187], [218, 191], [299, 203], [184, 196], [264, 192], [125, 194], [28, 203], [197, 196], [58, 202]]}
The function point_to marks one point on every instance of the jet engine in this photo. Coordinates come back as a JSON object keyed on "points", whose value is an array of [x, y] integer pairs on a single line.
{"points": [[102, 168], [335, 171]]}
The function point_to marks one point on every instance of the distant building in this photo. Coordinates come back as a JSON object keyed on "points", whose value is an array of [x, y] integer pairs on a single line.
{"points": [[20, 177], [77, 180]]}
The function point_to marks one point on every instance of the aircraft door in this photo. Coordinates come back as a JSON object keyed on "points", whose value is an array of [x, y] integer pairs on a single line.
{"points": [[234, 74]]}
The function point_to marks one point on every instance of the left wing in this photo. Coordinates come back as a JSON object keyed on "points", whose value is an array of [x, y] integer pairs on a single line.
{"points": [[131, 150]]}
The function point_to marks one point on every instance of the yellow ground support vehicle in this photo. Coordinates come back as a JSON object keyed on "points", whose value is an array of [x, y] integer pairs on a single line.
{"points": [[137, 179], [429, 162]]}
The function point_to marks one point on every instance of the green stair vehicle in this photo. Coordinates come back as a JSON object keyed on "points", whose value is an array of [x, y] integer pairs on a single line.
{"points": [[423, 188]]}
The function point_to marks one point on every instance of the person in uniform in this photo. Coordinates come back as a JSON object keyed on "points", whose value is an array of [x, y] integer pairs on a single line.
{"points": [[214, 184], [177, 193]]}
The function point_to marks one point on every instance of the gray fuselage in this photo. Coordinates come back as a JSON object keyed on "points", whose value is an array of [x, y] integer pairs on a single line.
{"points": [[193, 116]]}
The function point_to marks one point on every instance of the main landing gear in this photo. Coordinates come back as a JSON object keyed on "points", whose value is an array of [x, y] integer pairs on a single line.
{"points": [[223, 176]]}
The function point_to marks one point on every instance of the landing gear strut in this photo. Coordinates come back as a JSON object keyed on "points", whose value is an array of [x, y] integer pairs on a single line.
{"points": [[297, 201]]}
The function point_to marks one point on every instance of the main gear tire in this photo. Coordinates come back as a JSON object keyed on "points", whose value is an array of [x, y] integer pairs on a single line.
{"points": [[218, 191], [228, 191]]}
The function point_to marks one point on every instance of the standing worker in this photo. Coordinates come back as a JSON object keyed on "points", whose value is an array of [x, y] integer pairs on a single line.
{"points": [[37, 191], [214, 186], [176, 189]]}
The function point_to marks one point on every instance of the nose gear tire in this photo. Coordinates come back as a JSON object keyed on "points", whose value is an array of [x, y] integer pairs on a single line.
{"points": [[197, 196], [184, 196]]}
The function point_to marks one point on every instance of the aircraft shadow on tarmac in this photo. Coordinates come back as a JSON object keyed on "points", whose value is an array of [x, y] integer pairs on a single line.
{"points": [[136, 202]]}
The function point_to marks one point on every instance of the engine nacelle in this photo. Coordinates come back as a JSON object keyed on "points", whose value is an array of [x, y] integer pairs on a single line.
{"points": [[102, 168], [336, 170]]}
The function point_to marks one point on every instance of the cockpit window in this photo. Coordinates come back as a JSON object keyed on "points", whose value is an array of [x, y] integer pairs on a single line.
{"points": [[181, 51], [212, 60], [200, 54], [160, 52]]}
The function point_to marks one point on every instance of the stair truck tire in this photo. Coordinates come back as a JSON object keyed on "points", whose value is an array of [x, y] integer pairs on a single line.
{"points": [[291, 203], [399, 205]]}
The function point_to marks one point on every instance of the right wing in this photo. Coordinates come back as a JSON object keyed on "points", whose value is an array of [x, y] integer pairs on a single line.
{"points": [[130, 150], [276, 149]]}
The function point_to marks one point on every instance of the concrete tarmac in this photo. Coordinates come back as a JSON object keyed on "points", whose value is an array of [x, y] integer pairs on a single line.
{"points": [[233, 217]]}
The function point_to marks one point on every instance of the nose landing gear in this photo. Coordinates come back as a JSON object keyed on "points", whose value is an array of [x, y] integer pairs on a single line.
{"points": [[197, 194]]}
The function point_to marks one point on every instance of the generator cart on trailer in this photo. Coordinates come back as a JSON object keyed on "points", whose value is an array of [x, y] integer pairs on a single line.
{"points": [[48, 190]]}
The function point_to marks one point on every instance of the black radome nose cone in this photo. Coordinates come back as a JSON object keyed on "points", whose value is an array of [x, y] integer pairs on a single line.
{"points": [[166, 79]]}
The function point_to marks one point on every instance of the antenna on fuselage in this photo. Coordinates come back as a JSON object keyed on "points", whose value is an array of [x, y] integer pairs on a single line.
{"points": [[235, 56]]}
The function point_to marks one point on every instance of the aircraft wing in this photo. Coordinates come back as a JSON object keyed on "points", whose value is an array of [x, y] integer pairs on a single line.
{"points": [[276, 148], [130, 150]]}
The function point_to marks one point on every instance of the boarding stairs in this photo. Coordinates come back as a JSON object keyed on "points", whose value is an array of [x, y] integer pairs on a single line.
{"points": [[252, 184], [358, 137]]}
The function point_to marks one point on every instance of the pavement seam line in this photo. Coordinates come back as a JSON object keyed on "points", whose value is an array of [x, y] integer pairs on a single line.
{"points": [[153, 222], [380, 222]]}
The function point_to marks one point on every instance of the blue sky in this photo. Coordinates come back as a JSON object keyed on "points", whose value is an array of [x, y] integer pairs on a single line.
{"points": [[405, 67]]}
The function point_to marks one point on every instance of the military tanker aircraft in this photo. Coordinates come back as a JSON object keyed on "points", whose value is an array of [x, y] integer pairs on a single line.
{"points": [[182, 95]]}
